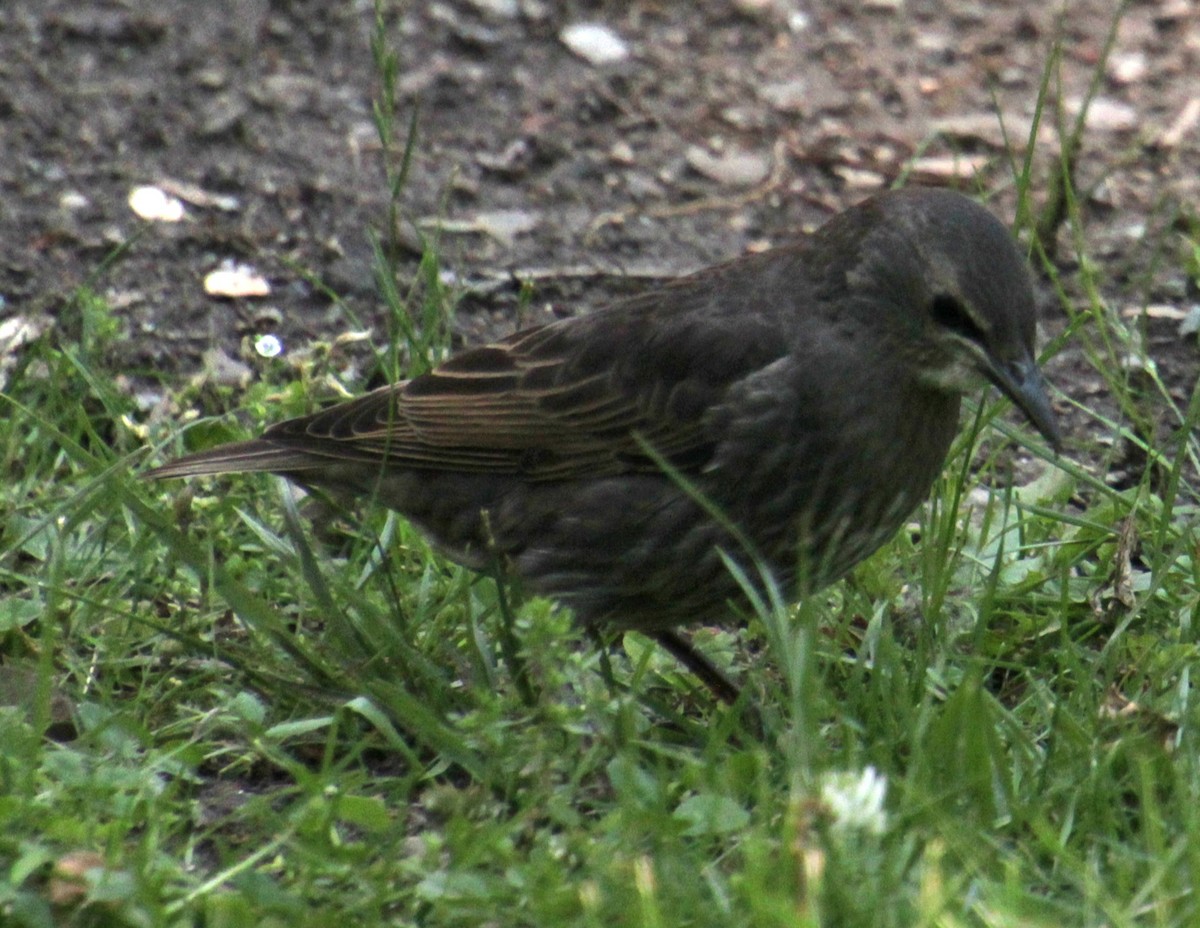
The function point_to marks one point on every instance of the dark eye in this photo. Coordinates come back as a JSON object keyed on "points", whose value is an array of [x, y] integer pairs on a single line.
{"points": [[950, 314]]}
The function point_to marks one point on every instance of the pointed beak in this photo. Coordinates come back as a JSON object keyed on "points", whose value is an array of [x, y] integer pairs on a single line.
{"points": [[1022, 383]]}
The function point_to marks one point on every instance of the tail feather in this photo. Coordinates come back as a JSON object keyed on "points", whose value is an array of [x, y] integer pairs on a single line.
{"points": [[241, 457]]}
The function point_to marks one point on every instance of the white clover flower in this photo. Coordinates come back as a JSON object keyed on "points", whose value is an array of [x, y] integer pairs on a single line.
{"points": [[855, 800]]}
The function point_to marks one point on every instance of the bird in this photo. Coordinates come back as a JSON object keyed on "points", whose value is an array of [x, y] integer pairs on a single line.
{"points": [[784, 411]]}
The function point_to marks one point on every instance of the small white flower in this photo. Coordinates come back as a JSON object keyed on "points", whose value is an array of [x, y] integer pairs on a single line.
{"points": [[855, 800], [268, 346]]}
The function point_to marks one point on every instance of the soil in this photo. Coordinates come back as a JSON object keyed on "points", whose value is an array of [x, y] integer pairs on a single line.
{"points": [[728, 126]]}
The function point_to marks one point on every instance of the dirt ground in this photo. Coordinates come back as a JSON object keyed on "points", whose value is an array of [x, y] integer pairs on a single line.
{"points": [[726, 126]]}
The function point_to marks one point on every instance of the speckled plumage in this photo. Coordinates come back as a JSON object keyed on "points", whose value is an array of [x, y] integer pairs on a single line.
{"points": [[810, 393]]}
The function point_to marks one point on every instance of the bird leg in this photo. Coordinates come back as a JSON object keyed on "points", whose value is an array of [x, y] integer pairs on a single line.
{"points": [[705, 670]]}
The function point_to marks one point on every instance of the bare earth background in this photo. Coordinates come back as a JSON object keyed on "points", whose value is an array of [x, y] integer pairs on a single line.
{"points": [[727, 127]]}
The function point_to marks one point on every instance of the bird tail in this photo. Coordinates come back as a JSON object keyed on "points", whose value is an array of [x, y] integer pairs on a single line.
{"points": [[243, 457]]}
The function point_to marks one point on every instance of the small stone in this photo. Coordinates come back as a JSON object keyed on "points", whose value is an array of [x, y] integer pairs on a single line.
{"points": [[236, 281], [155, 205], [595, 43], [1106, 114], [1128, 68], [621, 153], [73, 200], [735, 168]]}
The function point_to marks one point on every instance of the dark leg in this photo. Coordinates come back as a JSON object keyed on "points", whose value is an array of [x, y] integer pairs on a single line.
{"points": [[705, 670]]}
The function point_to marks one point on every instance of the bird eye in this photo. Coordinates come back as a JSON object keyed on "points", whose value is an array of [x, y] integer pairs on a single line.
{"points": [[950, 314]]}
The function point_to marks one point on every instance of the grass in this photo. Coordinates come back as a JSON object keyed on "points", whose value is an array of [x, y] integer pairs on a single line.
{"points": [[220, 709]]}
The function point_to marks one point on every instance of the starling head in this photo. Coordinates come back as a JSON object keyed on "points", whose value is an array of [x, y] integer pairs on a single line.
{"points": [[809, 394], [954, 296]]}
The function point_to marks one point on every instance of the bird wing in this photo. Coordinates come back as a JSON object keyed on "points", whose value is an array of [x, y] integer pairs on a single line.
{"points": [[571, 399], [582, 397]]}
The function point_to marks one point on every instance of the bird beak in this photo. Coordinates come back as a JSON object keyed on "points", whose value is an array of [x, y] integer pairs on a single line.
{"points": [[1022, 383]]}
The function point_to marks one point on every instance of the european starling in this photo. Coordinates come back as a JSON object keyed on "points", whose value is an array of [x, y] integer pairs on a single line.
{"points": [[807, 394]]}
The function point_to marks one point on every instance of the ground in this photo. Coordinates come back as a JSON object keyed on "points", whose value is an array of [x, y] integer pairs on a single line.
{"points": [[729, 126]]}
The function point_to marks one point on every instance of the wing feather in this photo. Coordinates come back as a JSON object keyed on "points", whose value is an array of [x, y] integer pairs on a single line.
{"points": [[571, 399]]}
